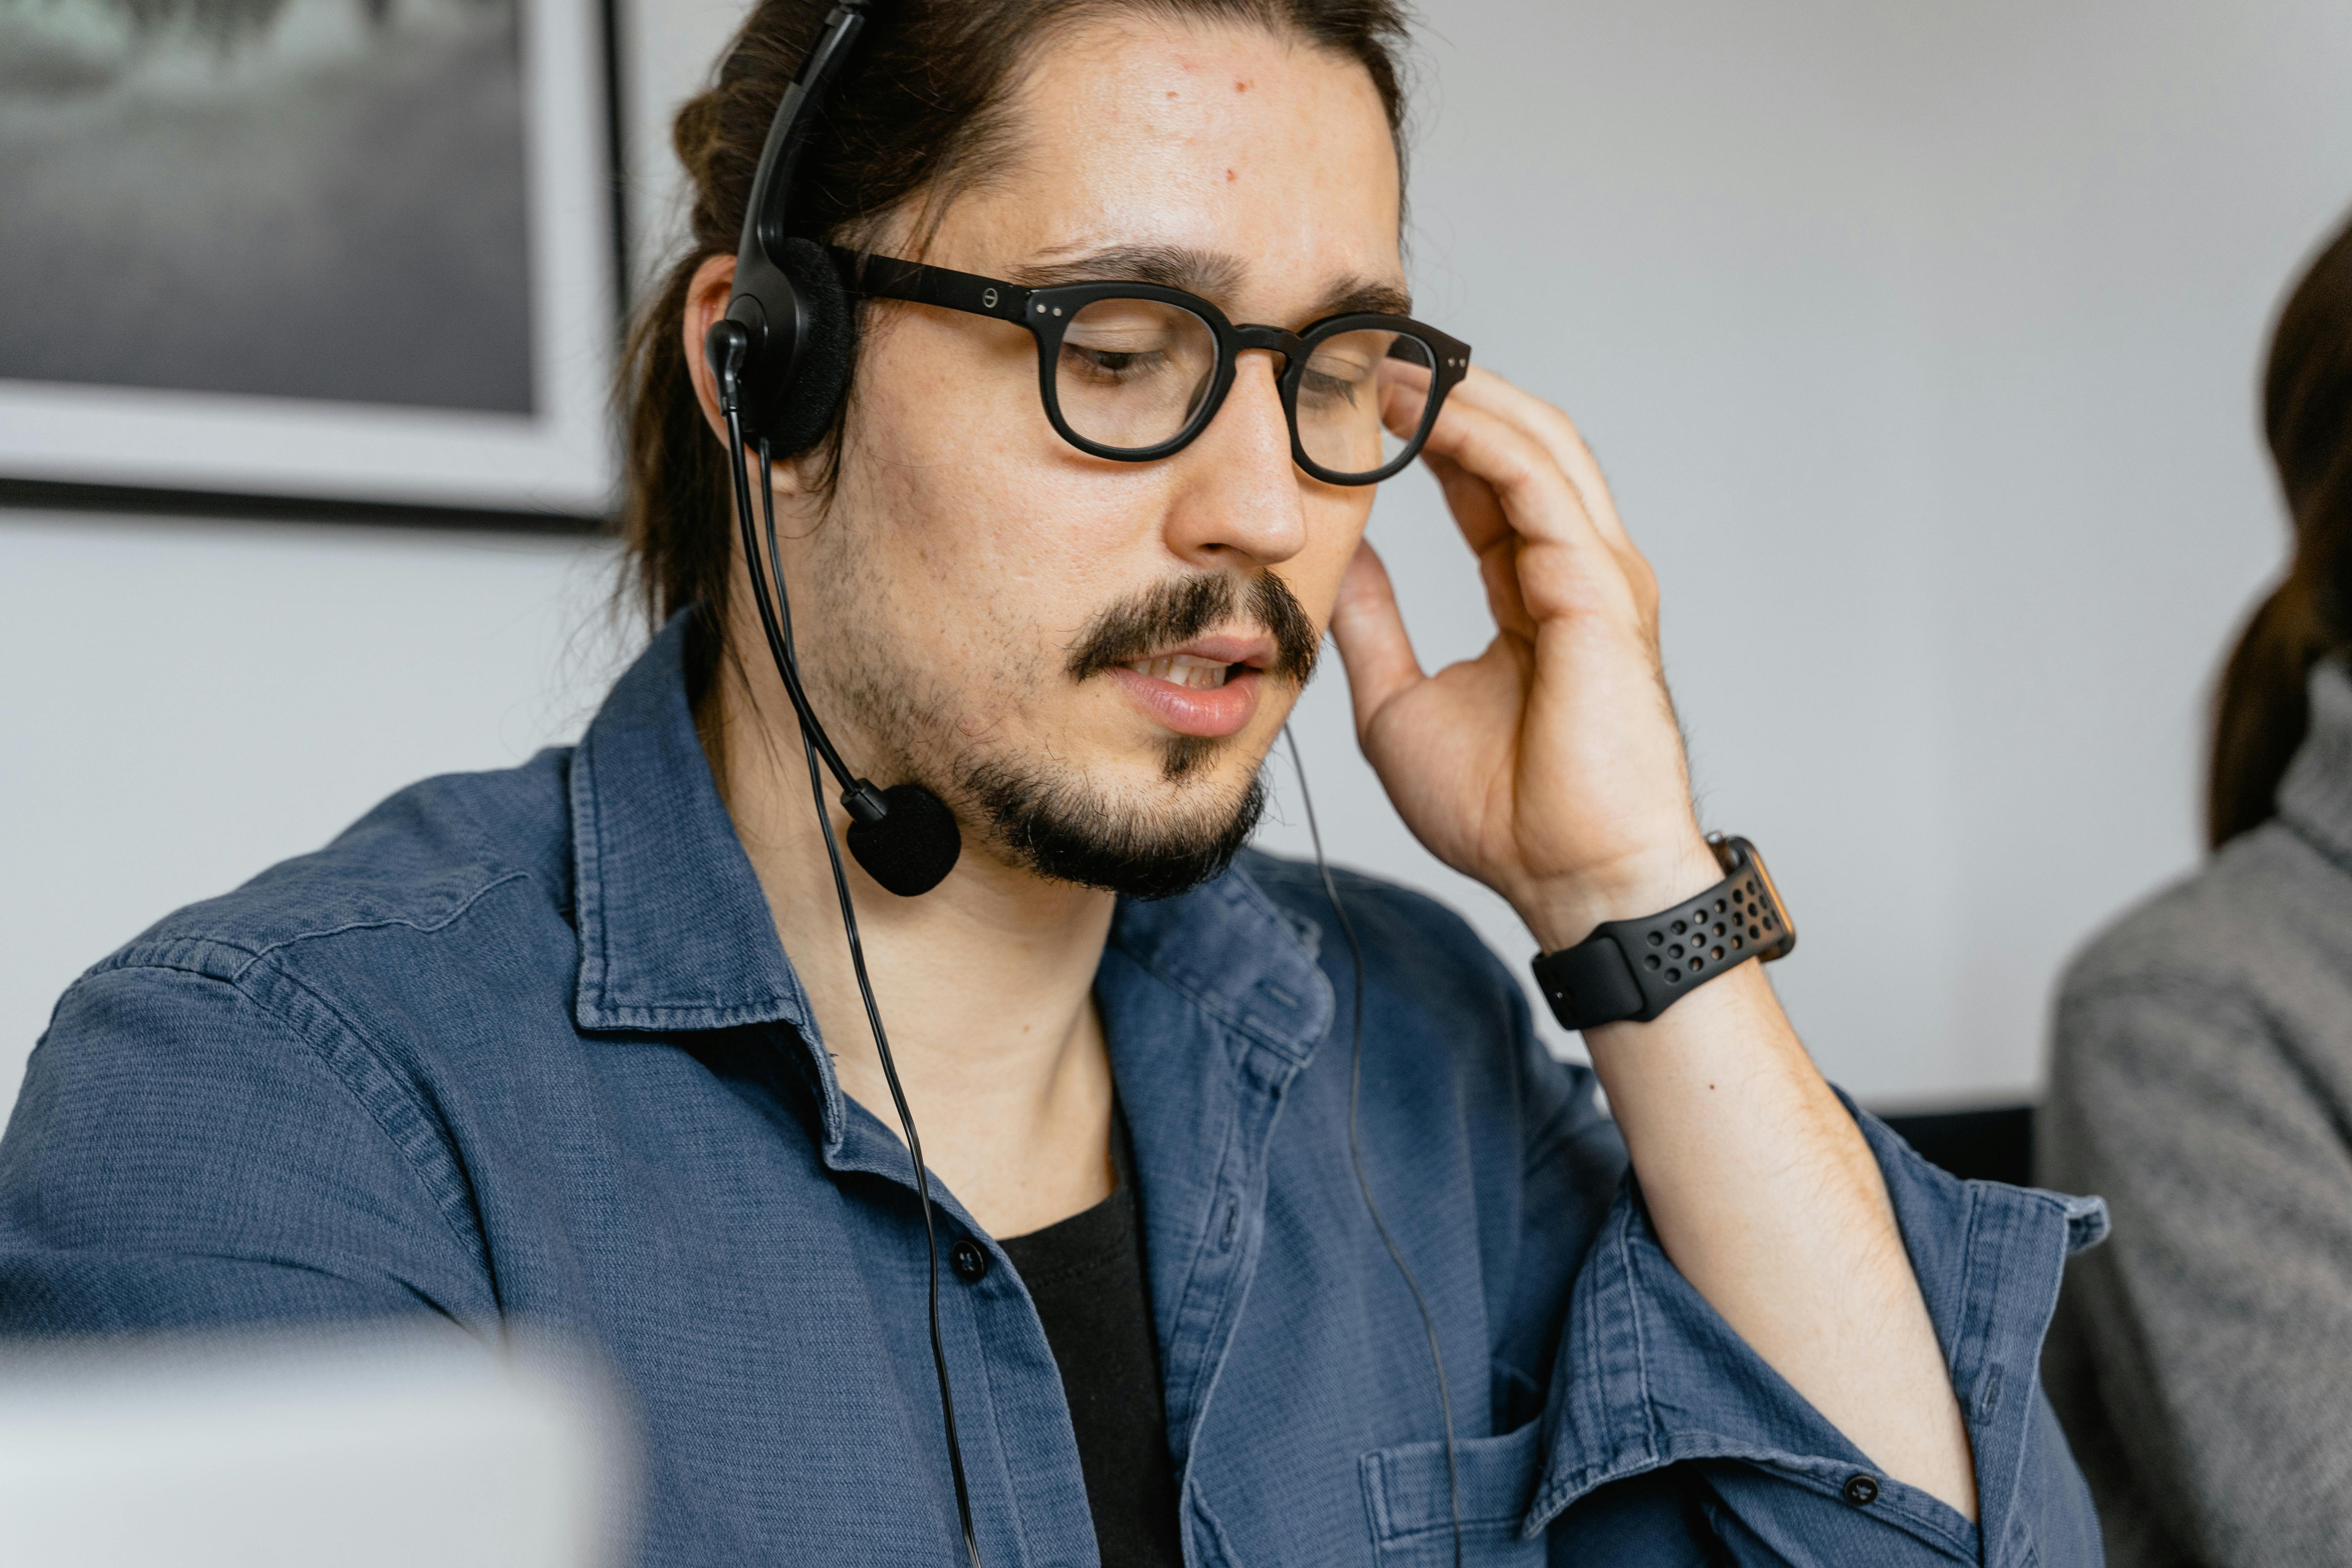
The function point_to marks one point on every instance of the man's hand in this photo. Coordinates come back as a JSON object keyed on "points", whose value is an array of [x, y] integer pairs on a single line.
{"points": [[1549, 767]]}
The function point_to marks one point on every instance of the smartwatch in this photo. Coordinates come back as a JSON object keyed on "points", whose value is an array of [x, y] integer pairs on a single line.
{"points": [[1631, 971]]}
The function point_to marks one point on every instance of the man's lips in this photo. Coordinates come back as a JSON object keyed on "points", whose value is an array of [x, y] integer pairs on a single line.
{"points": [[1208, 687]]}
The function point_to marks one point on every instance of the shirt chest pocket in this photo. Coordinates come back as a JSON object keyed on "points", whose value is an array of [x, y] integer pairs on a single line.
{"points": [[1410, 1503]]}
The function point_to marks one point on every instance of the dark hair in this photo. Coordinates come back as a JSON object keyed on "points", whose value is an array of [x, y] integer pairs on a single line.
{"points": [[918, 115], [2260, 711]]}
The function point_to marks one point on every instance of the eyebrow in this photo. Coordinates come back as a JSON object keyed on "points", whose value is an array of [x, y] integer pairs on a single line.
{"points": [[1204, 272]]}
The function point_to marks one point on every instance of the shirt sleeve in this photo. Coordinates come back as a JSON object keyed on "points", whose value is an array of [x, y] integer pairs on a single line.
{"points": [[185, 1157], [2216, 1322], [1661, 1417]]}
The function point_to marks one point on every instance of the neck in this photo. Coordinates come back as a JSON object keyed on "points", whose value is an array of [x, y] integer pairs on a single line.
{"points": [[985, 983]]}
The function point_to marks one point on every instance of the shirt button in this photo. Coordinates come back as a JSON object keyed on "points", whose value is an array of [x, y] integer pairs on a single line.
{"points": [[970, 1261], [1861, 1491]]}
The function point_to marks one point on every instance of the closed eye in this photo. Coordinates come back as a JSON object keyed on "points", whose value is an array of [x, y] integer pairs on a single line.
{"points": [[1324, 387], [1112, 367]]}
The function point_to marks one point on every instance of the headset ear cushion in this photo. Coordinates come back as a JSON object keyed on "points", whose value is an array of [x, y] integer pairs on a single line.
{"points": [[819, 375]]}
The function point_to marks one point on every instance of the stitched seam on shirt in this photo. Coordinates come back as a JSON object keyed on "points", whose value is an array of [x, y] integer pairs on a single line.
{"points": [[1193, 1392], [1640, 1342], [2053, 1275], [1199, 1504], [300, 1265], [1907, 1509], [1903, 1509], [1435, 1520], [1973, 1335], [258, 954], [995, 1403], [1242, 1269], [1191, 1405], [1371, 1473], [1969, 1354], [587, 867], [1506, 1524], [1556, 1495], [2018, 1226], [469, 1245], [473, 1246], [1286, 1047], [1290, 1046]]}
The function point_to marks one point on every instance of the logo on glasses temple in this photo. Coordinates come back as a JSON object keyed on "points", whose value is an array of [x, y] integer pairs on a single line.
{"points": [[988, 297]]}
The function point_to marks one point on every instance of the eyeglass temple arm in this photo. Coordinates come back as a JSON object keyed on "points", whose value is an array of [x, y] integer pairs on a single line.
{"points": [[888, 278]]}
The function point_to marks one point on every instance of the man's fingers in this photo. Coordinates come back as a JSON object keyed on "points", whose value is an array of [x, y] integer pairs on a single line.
{"points": [[1518, 509], [1532, 496], [1369, 632], [1489, 393]]}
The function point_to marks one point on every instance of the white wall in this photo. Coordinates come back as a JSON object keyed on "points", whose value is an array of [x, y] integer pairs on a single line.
{"points": [[186, 704], [1919, 344]]}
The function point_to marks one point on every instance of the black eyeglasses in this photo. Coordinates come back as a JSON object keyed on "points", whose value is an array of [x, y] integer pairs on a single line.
{"points": [[1134, 371]]}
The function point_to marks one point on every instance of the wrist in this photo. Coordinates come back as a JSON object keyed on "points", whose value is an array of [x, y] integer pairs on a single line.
{"points": [[1562, 911]]}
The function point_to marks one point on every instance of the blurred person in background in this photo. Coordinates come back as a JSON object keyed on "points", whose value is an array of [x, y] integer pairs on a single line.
{"points": [[2201, 1079]]}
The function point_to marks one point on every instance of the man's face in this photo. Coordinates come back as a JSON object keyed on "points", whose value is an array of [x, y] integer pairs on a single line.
{"points": [[1089, 659]]}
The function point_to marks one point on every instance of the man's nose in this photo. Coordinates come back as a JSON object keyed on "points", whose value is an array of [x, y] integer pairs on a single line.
{"points": [[1242, 491]]}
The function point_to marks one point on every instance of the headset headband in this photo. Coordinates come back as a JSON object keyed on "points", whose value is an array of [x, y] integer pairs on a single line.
{"points": [[788, 296]]}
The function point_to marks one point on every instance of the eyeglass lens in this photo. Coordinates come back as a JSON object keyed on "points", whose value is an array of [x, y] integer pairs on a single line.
{"points": [[1359, 390], [1132, 374]]}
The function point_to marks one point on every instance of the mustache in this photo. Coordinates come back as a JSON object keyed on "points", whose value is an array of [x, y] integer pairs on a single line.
{"points": [[1175, 611]]}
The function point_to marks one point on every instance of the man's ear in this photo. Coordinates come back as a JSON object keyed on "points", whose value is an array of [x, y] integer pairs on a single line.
{"points": [[706, 301]]}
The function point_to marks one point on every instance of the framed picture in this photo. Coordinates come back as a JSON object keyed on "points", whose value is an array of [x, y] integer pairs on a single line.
{"points": [[349, 250]]}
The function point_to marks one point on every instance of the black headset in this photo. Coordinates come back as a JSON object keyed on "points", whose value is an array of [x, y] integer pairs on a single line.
{"points": [[781, 358]]}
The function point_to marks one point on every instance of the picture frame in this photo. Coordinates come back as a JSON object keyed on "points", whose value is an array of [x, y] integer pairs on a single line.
{"points": [[334, 255]]}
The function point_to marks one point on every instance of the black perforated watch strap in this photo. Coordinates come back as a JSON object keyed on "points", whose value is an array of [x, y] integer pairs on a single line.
{"points": [[1635, 970]]}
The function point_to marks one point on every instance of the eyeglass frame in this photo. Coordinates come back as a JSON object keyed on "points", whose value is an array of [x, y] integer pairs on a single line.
{"points": [[1047, 313]]}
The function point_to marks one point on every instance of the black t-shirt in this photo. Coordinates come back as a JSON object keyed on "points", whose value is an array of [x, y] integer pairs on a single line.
{"points": [[1086, 1276]]}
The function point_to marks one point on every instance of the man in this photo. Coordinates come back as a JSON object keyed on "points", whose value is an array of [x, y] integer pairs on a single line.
{"points": [[527, 1049]]}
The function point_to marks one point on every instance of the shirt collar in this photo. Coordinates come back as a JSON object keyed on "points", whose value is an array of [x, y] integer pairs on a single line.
{"points": [[1229, 951], [2316, 797], [675, 933]]}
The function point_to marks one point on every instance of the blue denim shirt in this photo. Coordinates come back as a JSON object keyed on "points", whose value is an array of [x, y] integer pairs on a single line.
{"points": [[522, 1049]]}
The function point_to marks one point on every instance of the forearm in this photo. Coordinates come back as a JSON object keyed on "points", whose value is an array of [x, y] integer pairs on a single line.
{"points": [[1765, 1196]]}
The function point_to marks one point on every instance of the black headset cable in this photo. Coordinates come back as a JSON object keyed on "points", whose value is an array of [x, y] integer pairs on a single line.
{"points": [[1355, 1146], [780, 647]]}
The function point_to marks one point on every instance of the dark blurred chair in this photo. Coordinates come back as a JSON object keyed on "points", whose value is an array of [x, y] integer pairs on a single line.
{"points": [[1991, 1144]]}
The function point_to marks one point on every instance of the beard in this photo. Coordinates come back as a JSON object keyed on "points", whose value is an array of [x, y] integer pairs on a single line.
{"points": [[1048, 816], [1055, 824]]}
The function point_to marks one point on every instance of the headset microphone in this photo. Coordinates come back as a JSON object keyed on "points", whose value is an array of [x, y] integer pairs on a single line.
{"points": [[905, 836], [782, 357]]}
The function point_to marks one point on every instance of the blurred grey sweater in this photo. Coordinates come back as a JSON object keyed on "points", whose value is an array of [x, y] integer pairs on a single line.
{"points": [[2202, 1083]]}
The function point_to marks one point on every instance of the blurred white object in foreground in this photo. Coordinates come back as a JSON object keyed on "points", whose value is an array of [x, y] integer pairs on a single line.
{"points": [[259, 1453]]}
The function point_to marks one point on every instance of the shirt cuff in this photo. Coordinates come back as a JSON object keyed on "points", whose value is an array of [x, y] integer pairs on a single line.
{"points": [[1649, 1374]]}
